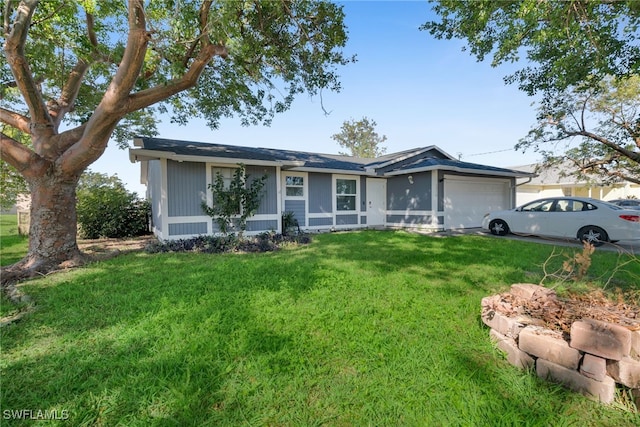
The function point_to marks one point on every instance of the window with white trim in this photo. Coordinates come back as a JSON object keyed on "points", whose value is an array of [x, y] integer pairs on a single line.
{"points": [[227, 175], [346, 192], [294, 186]]}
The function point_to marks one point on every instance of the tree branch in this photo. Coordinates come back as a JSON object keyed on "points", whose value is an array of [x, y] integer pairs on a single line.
{"points": [[150, 96], [628, 153], [14, 51], [113, 105], [15, 120], [58, 108], [28, 163]]}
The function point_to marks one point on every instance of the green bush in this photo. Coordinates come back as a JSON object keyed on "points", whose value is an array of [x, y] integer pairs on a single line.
{"points": [[106, 209]]}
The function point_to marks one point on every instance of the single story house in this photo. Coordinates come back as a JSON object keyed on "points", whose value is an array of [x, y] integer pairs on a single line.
{"points": [[423, 188], [552, 182]]}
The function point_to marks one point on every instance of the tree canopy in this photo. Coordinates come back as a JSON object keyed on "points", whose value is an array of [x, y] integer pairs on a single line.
{"points": [[606, 122], [565, 43], [583, 60], [360, 138], [77, 73]]}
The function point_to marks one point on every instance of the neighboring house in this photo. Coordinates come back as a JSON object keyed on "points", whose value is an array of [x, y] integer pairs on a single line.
{"points": [[551, 182], [424, 188]]}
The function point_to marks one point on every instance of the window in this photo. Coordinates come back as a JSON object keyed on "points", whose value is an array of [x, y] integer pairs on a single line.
{"points": [[538, 206], [294, 186], [225, 173], [346, 194]]}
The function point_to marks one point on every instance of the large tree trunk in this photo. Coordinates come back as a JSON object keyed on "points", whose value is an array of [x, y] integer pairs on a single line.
{"points": [[53, 227], [52, 230]]}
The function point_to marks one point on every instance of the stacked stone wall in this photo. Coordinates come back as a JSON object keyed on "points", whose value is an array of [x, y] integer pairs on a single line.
{"points": [[595, 358]]}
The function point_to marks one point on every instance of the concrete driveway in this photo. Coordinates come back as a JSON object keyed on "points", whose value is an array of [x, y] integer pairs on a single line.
{"points": [[622, 246]]}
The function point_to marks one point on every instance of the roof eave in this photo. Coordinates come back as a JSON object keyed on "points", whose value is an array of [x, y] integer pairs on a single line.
{"points": [[514, 174], [143, 154]]}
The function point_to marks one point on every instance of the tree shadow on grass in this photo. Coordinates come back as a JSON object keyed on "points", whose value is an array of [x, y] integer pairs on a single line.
{"points": [[188, 339]]}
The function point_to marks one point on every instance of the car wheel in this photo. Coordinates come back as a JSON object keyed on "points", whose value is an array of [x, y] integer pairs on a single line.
{"points": [[498, 227], [594, 235]]}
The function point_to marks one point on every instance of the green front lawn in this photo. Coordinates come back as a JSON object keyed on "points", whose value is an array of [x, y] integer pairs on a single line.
{"points": [[355, 329], [12, 246]]}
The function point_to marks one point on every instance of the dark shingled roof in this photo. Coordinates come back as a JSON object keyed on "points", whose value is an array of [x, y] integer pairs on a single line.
{"points": [[322, 161]]}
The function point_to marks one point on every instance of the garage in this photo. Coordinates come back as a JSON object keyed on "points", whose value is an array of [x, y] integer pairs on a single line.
{"points": [[468, 199]]}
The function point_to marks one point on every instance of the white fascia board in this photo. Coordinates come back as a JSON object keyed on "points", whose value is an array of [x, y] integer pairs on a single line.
{"points": [[144, 154], [334, 171], [456, 169]]}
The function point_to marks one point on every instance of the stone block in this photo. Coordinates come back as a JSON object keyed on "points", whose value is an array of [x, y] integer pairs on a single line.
{"points": [[604, 391], [603, 339], [594, 367], [528, 290], [499, 322], [626, 371], [635, 344], [549, 345], [515, 356], [488, 303]]}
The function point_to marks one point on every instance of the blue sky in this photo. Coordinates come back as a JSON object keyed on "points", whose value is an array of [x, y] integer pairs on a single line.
{"points": [[420, 91]]}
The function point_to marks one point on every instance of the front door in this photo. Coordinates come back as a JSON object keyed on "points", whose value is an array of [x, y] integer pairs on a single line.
{"points": [[376, 201]]}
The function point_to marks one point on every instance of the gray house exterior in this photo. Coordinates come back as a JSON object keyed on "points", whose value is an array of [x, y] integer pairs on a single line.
{"points": [[424, 188]]}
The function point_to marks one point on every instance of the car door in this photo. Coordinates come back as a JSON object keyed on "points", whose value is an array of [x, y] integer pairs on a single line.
{"points": [[532, 218], [566, 217]]}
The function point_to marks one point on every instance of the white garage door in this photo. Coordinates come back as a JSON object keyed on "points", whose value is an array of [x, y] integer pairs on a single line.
{"points": [[467, 200]]}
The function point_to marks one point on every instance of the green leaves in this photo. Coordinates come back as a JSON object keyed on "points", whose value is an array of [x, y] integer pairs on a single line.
{"points": [[564, 42], [235, 200], [360, 138]]}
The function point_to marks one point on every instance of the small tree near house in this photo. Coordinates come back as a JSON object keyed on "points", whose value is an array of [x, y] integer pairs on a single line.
{"points": [[235, 202]]}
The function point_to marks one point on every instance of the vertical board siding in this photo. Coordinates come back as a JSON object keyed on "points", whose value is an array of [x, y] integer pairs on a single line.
{"points": [[351, 219], [320, 193], [297, 207], [154, 178], [269, 201], [262, 225], [318, 222], [402, 194], [187, 228], [187, 186]]}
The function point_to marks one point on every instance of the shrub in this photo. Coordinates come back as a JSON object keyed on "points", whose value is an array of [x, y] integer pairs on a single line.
{"points": [[106, 209], [234, 201], [265, 242]]}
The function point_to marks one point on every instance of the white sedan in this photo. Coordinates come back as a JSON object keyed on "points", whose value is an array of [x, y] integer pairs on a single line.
{"points": [[585, 219]]}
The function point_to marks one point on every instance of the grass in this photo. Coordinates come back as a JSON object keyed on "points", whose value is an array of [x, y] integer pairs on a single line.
{"points": [[12, 246], [363, 328]]}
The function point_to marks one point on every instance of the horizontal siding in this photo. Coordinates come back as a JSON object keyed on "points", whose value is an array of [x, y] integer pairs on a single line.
{"points": [[297, 207], [320, 193], [262, 225], [188, 228], [318, 222], [351, 219], [186, 188]]}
